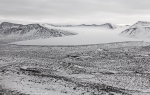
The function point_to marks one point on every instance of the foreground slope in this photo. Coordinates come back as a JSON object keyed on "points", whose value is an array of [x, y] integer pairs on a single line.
{"points": [[10, 32], [105, 69], [140, 30]]}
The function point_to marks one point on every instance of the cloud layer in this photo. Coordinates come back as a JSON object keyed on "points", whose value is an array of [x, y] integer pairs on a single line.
{"points": [[75, 11]]}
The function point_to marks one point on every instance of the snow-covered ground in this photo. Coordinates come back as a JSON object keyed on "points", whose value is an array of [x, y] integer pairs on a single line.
{"points": [[86, 35]]}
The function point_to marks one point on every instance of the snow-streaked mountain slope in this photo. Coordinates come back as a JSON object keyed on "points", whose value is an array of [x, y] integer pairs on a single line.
{"points": [[86, 35], [141, 29], [106, 25], [10, 32], [109, 26]]}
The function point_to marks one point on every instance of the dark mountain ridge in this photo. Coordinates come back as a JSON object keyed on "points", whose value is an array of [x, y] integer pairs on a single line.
{"points": [[106, 25], [19, 32]]}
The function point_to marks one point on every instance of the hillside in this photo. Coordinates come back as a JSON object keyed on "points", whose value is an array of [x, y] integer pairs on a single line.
{"points": [[10, 32], [141, 29]]}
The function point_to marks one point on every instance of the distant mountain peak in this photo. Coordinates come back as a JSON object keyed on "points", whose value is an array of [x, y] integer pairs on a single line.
{"points": [[141, 24], [140, 29], [109, 25]]}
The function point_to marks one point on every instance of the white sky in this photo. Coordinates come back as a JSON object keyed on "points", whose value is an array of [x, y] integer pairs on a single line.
{"points": [[75, 11]]}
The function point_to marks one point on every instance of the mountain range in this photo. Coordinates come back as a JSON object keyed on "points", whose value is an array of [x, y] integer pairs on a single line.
{"points": [[106, 25], [11, 32]]}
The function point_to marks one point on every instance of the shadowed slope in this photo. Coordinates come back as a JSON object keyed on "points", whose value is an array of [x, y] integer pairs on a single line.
{"points": [[10, 32]]}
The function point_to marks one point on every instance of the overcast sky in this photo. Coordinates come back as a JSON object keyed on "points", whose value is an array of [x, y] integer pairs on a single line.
{"points": [[75, 11]]}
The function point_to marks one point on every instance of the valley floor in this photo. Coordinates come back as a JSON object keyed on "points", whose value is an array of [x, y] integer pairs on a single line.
{"points": [[105, 69]]}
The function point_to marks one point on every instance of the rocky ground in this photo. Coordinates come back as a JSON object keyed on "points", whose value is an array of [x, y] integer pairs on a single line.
{"points": [[106, 69]]}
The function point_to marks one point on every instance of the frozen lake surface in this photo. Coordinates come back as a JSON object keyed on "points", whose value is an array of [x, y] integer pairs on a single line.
{"points": [[86, 35]]}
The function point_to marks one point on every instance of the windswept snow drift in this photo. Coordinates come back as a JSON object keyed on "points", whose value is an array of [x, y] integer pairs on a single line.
{"points": [[86, 35]]}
